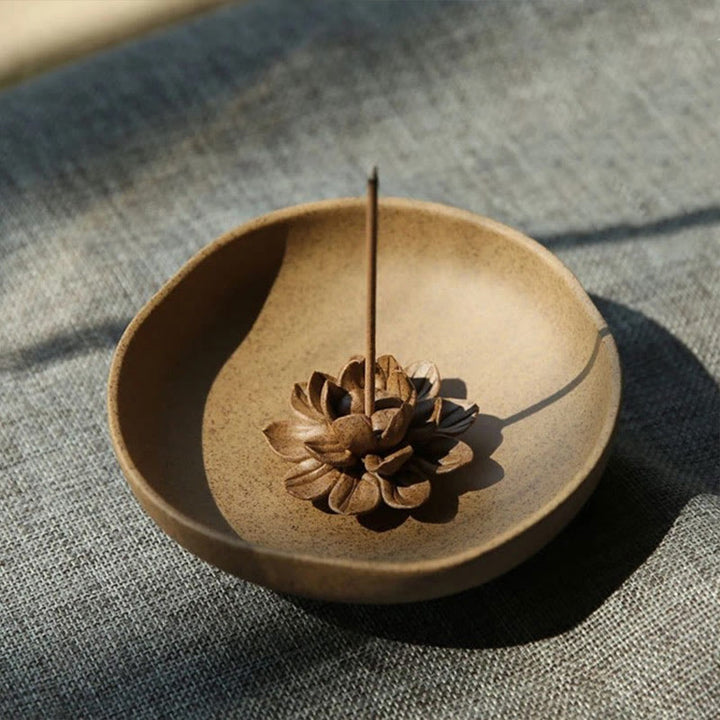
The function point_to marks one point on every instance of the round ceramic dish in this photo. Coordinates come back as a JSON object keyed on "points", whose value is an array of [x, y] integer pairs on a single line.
{"points": [[212, 358]]}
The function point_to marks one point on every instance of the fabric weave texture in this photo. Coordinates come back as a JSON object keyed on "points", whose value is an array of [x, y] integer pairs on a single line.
{"points": [[591, 126]]}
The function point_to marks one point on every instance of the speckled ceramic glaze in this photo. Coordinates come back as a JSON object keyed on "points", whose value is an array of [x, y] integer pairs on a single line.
{"points": [[213, 356]]}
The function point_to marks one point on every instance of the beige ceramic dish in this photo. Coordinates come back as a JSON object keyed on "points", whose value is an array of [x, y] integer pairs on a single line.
{"points": [[211, 359]]}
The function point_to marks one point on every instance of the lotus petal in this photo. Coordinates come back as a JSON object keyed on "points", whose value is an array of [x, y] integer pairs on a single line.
{"points": [[350, 402], [352, 376], [384, 400], [357, 401], [355, 432], [385, 365], [311, 479], [396, 425], [443, 455], [314, 388], [331, 398], [390, 464], [300, 403], [354, 496], [400, 385], [407, 490], [328, 450], [456, 416], [425, 411], [423, 425], [287, 438], [425, 377], [381, 418]]}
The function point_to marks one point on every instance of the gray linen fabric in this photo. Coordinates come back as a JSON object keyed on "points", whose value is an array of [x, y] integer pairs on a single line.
{"points": [[592, 126]]}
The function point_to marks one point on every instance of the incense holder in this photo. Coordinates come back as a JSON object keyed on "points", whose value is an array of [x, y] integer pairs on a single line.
{"points": [[211, 359], [358, 461]]}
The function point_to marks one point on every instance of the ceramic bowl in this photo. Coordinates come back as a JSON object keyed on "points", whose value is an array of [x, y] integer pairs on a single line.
{"points": [[212, 358]]}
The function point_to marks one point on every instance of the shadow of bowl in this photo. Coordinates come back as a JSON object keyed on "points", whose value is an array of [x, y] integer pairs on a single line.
{"points": [[666, 452]]}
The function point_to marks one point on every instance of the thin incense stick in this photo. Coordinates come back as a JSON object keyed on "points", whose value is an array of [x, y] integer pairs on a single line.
{"points": [[371, 227]]}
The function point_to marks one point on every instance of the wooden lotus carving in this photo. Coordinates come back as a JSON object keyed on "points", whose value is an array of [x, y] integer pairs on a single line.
{"points": [[358, 460]]}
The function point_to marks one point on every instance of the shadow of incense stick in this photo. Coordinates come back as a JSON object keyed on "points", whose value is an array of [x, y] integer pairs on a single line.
{"points": [[603, 332]]}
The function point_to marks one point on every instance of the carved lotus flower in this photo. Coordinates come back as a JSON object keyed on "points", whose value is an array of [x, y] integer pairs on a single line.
{"points": [[358, 461]]}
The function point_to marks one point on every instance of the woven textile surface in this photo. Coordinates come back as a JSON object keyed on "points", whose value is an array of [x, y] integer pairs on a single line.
{"points": [[592, 126]]}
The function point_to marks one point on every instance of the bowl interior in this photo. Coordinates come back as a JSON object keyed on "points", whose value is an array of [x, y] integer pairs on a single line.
{"points": [[215, 356]]}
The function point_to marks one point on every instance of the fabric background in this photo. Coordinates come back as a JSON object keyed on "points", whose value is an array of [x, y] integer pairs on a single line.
{"points": [[592, 126]]}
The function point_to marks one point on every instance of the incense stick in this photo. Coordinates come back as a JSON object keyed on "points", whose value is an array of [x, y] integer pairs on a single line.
{"points": [[371, 228]]}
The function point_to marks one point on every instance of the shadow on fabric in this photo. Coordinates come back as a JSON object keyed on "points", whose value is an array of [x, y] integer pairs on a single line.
{"points": [[666, 452]]}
